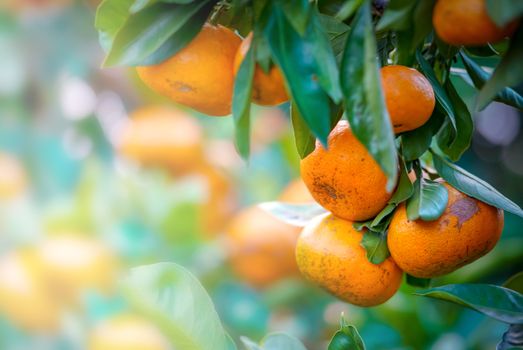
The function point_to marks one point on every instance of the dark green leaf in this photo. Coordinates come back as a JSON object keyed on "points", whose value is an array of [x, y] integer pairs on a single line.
{"points": [[509, 71], [110, 18], [241, 103], [377, 223], [504, 11], [429, 200], [295, 57], [500, 303], [305, 141], [397, 15], [146, 31], [176, 302], [454, 142], [515, 282], [418, 282], [479, 77], [482, 51], [293, 214], [441, 95], [473, 186], [375, 243], [416, 142], [364, 103], [346, 338], [422, 26], [298, 13], [405, 189], [348, 9]]}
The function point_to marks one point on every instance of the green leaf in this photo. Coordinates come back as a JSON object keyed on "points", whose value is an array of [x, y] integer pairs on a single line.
{"points": [[422, 26], [178, 304], [241, 103], [139, 5], [405, 188], [348, 9], [416, 142], [346, 338], [515, 282], [305, 141], [375, 243], [364, 103], [298, 13], [509, 71], [429, 200], [504, 11], [148, 30], [479, 77], [418, 282], [378, 219], [274, 341], [293, 214], [473, 186], [454, 142], [397, 15], [110, 18], [443, 101], [500, 303], [294, 55]]}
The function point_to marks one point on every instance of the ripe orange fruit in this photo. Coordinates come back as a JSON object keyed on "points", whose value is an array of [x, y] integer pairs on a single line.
{"points": [[329, 254], [345, 179], [409, 97], [467, 230], [12, 177], [75, 264], [466, 22], [201, 74], [268, 88], [261, 247], [164, 137], [127, 332], [24, 298]]}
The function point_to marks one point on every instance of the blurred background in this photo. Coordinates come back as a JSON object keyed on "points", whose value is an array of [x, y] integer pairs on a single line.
{"points": [[98, 175]]}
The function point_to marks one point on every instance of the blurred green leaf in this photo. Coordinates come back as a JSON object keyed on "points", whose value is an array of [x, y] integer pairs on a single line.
{"points": [[418, 282], [274, 341], [473, 186], [482, 51], [241, 103], [504, 11], [375, 244], [421, 21], [512, 338], [453, 142], [515, 282], [298, 14], [429, 200], [364, 103], [139, 5], [294, 54], [478, 76], [110, 18], [293, 214], [305, 141], [147, 31], [397, 15], [178, 304], [500, 303], [348, 9], [346, 338], [509, 71]]}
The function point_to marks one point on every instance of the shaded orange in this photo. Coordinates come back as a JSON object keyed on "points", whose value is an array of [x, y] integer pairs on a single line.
{"points": [[329, 254], [345, 179], [467, 230], [268, 88], [200, 75], [164, 137], [13, 179], [466, 22], [409, 97], [296, 192]]}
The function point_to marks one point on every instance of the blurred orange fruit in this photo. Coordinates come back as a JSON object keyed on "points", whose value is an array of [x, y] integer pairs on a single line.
{"points": [[22, 5], [200, 75], [467, 22], [163, 137], [24, 298], [296, 192], [74, 264], [127, 332], [345, 179], [268, 89], [13, 179], [409, 97], [329, 254], [467, 230]]}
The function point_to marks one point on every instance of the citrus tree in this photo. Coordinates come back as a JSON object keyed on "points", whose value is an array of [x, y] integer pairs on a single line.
{"points": [[390, 198]]}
